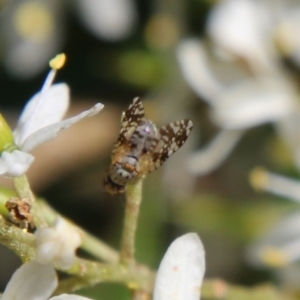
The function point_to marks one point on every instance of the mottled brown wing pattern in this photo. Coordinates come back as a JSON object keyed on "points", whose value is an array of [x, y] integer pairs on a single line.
{"points": [[171, 137], [133, 116], [141, 148]]}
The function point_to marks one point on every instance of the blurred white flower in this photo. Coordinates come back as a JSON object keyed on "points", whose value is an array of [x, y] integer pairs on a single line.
{"points": [[57, 244], [181, 270], [286, 33], [289, 130], [108, 19], [208, 158], [40, 122], [241, 28], [280, 246], [257, 31], [32, 31], [252, 87], [236, 105], [33, 281], [253, 102], [194, 62]]}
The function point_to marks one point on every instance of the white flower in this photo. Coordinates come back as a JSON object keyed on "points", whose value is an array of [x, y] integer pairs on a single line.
{"points": [[242, 95], [210, 157], [240, 28], [33, 281], [253, 102], [279, 246], [181, 270], [57, 244], [193, 59], [40, 122], [237, 102]]}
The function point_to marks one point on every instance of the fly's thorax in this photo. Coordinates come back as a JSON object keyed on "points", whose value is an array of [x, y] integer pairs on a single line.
{"points": [[142, 138], [124, 170]]}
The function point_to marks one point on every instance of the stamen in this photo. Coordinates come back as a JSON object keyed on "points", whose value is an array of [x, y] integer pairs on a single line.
{"points": [[292, 250], [258, 178], [281, 256], [55, 63], [263, 180], [274, 257]]}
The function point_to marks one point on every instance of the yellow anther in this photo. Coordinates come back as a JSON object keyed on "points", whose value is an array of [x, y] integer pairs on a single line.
{"points": [[258, 178], [58, 61], [274, 257]]}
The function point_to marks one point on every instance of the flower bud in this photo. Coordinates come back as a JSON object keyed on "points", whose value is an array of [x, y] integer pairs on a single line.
{"points": [[6, 136]]}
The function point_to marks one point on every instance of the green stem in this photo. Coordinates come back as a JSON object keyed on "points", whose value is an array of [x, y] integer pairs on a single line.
{"points": [[132, 209], [219, 289], [98, 249], [87, 273], [19, 241], [23, 188], [24, 191]]}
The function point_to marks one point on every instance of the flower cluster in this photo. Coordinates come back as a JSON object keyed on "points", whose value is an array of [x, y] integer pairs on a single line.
{"points": [[179, 276], [241, 76], [181, 271]]}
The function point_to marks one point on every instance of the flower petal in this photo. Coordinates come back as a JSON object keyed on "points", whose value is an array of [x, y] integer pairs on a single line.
{"points": [[211, 156], [289, 128], [32, 281], [181, 271], [15, 163], [283, 237], [43, 109], [194, 64], [69, 297], [57, 244], [254, 102], [240, 27], [50, 132]]}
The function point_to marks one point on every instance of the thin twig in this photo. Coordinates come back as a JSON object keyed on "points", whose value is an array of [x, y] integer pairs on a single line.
{"points": [[19, 241], [132, 209]]}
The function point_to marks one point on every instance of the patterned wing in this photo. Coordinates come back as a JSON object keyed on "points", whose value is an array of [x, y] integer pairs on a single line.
{"points": [[171, 137], [132, 117]]}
